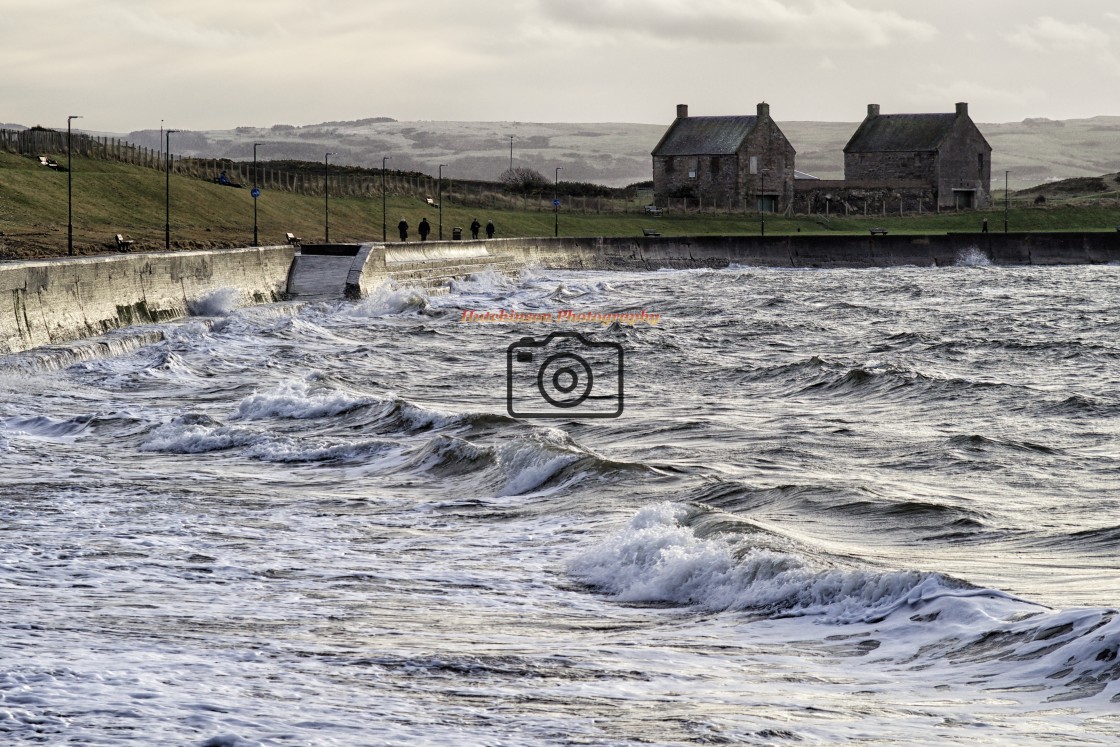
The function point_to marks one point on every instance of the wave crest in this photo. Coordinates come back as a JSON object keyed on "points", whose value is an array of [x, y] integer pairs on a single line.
{"points": [[659, 558]]}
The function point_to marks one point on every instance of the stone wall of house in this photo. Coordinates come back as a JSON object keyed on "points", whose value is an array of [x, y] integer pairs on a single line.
{"points": [[862, 197], [966, 164], [708, 178], [891, 165], [775, 156]]}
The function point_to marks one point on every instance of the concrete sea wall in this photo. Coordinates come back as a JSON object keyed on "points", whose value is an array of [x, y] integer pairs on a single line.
{"points": [[429, 264], [810, 251], [51, 301]]}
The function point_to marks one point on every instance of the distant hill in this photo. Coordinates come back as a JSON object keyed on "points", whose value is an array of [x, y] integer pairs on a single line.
{"points": [[1078, 186], [1035, 150]]}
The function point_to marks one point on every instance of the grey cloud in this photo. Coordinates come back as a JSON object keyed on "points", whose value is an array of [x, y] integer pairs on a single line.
{"points": [[822, 23], [1047, 33]]}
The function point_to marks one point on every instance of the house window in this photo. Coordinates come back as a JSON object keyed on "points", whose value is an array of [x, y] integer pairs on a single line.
{"points": [[715, 165], [669, 166], [980, 163], [754, 164], [693, 168]]}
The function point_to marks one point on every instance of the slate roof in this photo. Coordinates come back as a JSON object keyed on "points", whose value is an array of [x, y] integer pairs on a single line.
{"points": [[901, 132], [707, 136]]}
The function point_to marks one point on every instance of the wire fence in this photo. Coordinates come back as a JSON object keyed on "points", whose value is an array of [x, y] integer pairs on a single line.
{"points": [[53, 144]]}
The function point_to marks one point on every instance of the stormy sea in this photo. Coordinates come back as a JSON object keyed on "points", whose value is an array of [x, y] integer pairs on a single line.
{"points": [[788, 507]]}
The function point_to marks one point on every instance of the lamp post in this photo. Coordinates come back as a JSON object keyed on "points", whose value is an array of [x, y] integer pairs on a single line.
{"points": [[70, 188], [556, 203], [167, 189], [1007, 199], [255, 241], [384, 223], [762, 203], [327, 198], [442, 166], [511, 156]]}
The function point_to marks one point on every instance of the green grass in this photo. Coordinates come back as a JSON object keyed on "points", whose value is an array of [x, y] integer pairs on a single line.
{"points": [[111, 198]]}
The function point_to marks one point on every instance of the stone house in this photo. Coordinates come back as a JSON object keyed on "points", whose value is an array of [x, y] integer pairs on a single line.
{"points": [[731, 160], [945, 153]]}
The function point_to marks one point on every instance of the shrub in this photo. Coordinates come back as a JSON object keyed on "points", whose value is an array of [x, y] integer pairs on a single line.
{"points": [[524, 181]]}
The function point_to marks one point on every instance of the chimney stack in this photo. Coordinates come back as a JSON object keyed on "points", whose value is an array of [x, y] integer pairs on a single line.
{"points": [[962, 109], [763, 110], [682, 111], [872, 110]]}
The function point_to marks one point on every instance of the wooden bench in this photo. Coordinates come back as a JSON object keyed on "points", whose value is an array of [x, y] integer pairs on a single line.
{"points": [[123, 244], [878, 232], [293, 240], [650, 232], [654, 210]]}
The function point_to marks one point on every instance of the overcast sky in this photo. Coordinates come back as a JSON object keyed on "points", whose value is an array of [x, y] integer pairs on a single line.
{"points": [[217, 64]]}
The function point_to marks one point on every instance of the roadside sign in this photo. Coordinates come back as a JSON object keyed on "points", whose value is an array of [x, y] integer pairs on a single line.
{"points": [[256, 193], [556, 202]]}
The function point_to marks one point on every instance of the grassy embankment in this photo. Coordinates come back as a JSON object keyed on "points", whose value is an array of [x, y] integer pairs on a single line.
{"points": [[111, 198]]}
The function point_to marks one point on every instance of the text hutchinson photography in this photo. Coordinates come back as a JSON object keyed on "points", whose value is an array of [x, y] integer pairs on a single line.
{"points": [[566, 316]]}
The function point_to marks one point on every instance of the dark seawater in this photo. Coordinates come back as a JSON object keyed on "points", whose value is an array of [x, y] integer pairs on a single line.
{"points": [[859, 507]]}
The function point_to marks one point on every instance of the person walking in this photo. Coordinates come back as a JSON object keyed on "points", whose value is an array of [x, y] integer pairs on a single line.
{"points": [[403, 228], [475, 226], [425, 229], [984, 226], [489, 229]]}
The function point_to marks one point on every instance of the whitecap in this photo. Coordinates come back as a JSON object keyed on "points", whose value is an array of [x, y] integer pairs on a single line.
{"points": [[658, 558], [298, 400], [181, 436], [388, 300], [486, 282]]}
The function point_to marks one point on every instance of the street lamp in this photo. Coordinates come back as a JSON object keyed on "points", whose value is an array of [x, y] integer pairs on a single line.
{"points": [[70, 189], [442, 166], [556, 203], [762, 203], [327, 198], [255, 193], [1007, 199], [511, 157], [384, 223], [167, 189]]}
